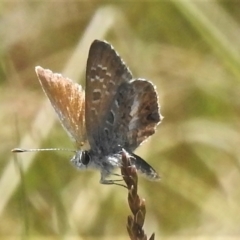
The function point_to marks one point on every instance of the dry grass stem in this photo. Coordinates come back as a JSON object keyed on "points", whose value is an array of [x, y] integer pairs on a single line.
{"points": [[137, 205]]}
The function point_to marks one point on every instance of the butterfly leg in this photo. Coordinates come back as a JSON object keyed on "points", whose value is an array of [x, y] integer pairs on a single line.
{"points": [[105, 181]]}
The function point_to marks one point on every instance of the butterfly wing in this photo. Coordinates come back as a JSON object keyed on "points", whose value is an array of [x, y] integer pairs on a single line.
{"points": [[105, 73], [136, 114], [68, 100]]}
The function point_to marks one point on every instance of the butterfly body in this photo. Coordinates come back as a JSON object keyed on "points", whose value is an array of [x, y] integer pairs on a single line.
{"points": [[89, 160], [115, 111]]}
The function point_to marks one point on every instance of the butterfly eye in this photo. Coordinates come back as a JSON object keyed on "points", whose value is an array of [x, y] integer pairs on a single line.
{"points": [[85, 158]]}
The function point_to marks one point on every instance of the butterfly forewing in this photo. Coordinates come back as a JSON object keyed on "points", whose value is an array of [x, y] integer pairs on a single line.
{"points": [[68, 100], [105, 73]]}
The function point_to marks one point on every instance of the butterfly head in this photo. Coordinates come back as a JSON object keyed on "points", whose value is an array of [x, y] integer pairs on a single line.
{"points": [[82, 160]]}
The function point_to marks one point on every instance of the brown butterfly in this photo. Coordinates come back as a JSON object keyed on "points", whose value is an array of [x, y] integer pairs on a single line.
{"points": [[115, 111]]}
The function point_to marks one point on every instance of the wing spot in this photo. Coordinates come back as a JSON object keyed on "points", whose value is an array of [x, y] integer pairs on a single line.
{"points": [[111, 117], [153, 117], [106, 132], [96, 95], [117, 103], [94, 112], [147, 108], [112, 82], [103, 68], [95, 78]]}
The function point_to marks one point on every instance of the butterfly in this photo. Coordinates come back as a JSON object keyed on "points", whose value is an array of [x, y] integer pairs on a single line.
{"points": [[113, 113]]}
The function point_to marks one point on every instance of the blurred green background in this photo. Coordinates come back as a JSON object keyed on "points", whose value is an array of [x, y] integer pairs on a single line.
{"points": [[190, 51]]}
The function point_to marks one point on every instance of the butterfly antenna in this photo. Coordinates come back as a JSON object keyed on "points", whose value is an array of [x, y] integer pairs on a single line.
{"points": [[20, 150]]}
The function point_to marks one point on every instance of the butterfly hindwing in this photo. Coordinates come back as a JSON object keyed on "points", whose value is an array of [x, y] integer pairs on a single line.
{"points": [[136, 114]]}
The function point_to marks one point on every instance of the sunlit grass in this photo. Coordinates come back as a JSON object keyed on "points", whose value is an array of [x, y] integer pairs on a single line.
{"points": [[191, 56]]}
